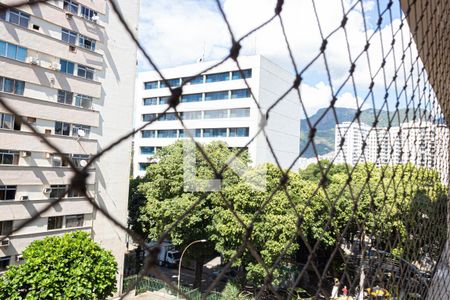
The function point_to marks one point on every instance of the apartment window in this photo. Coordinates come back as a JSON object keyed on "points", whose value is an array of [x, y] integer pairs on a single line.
{"points": [[194, 132], [74, 193], [13, 51], [216, 96], [195, 80], [85, 72], [6, 227], [239, 132], [164, 100], [86, 43], [71, 6], [151, 101], [74, 221], [8, 85], [55, 222], [170, 82], [78, 128], [148, 133], [148, 117], [143, 166], [150, 85], [191, 115], [237, 74], [239, 112], [62, 128], [77, 159], [191, 98], [217, 77], [67, 67], [9, 157], [58, 191], [167, 133], [6, 121], [243, 93], [60, 160], [214, 132], [148, 150], [168, 117], [19, 18], [215, 114], [83, 101], [87, 13], [69, 36], [3, 11], [8, 192], [4, 262], [65, 97]]}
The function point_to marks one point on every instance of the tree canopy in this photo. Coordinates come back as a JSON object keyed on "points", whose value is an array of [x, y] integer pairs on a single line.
{"points": [[72, 266]]}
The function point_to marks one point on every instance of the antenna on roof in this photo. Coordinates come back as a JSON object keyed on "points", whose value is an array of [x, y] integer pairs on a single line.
{"points": [[202, 58]]}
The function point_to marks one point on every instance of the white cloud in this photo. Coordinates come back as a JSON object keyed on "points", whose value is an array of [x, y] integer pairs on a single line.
{"points": [[178, 31]]}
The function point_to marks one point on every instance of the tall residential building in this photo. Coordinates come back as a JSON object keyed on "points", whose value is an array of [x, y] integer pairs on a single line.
{"points": [[69, 68], [217, 105], [421, 143]]}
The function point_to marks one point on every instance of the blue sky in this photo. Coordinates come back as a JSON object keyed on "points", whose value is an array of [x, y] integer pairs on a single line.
{"points": [[177, 32]]}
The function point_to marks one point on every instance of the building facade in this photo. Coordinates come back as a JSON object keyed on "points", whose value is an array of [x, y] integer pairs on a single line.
{"points": [[218, 105], [421, 143], [68, 67]]}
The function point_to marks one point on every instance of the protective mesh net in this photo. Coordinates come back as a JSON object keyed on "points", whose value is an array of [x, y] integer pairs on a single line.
{"points": [[374, 218]]}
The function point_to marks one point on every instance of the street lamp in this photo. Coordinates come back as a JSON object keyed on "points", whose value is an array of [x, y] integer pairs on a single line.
{"points": [[181, 260]]}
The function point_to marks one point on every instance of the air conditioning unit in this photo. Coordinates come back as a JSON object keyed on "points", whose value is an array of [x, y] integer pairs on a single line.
{"points": [[69, 14], [32, 60], [95, 19], [4, 243], [19, 257], [72, 48], [25, 153], [24, 197], [48, 155], [47, 190], [55, 66]]}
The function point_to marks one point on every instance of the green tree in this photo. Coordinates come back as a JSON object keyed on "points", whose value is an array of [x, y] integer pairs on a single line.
{"points": [[72, 266]]}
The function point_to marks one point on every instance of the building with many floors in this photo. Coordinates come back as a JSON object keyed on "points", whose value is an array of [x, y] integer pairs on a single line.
{"points": [[422, 143], [218, 105], [68, 67]]}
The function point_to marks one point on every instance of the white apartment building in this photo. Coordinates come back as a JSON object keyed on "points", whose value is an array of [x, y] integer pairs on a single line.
{"points": [[69, 68], [421, 143], [217, 105]]}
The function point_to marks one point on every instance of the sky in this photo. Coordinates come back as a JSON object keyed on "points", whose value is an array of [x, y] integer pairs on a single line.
{"points": [[177, 32]]}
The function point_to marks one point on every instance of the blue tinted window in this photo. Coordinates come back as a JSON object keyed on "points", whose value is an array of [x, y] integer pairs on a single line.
{"points": [[195, 80], [238, 132], [11, 51], [148, 133], [143, 166], [151, 101], [169, 133], [191, 98], [151, 85], [164, 100], [8, 85], [147, 150], [237, 74], [19, 87], [168, 117], [218, 77], [2, 48], [67, 66], [21, 54], [171, 82], [215, 132], [148, 117], [239, 112], [216, 96], [244, 93]]}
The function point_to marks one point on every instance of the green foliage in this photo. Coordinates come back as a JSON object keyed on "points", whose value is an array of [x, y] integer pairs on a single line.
{"points": [[69, 267], [389, 204], [135, 203], [231, 291]]}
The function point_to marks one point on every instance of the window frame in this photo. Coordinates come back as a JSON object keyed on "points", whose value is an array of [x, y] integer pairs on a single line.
{"points": [[68, 97], [8, 192], [77, 218], [14, 154], [88, 72], [57, 221], [58, 191], [65, 128], [69, 36], [9, 227]]}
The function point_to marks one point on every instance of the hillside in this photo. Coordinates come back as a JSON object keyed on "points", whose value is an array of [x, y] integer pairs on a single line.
{"points": [[324, 139]]}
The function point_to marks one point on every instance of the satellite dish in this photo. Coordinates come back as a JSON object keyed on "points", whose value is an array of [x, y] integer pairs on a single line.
{"points": [[81, 132], [83, 163]]}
